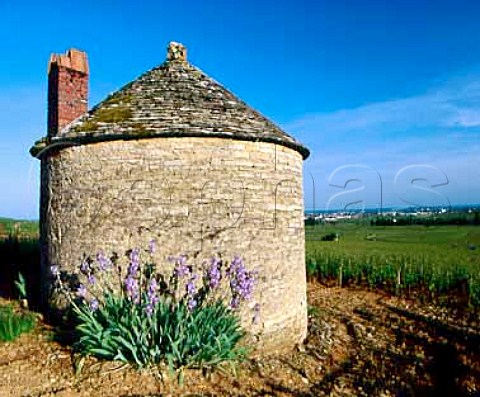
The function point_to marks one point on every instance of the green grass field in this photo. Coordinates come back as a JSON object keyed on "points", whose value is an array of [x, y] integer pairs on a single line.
{"points": [[439, 241], [436, 260], [21, 228]]}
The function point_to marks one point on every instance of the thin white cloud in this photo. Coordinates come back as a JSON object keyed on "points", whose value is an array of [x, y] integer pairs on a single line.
{"points": [[440, 127], [440, 108], [467, 118]]}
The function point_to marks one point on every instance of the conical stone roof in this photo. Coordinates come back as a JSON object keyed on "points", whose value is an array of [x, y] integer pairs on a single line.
{"points": [[174, 99]]}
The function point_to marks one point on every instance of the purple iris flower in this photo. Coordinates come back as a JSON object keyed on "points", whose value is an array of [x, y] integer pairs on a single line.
{"points": [[152, 246], [242, 282], [94, 304], [234, 302], [81, 290], [134, 262], [149, 309], [190, 286], [131, 288], [181, 268], [191, 304], [102, 260], [214, 274], [191, 289], [152, 292], [85, 267]]}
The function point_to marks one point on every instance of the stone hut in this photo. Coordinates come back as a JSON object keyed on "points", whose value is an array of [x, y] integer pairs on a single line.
{"points": [[176, 157]]}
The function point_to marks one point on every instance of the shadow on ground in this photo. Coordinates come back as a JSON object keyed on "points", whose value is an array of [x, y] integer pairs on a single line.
{"points": [[416, 356]]}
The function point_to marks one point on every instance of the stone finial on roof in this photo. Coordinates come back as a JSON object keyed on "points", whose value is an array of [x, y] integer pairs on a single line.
{"points": [[176, 52]]}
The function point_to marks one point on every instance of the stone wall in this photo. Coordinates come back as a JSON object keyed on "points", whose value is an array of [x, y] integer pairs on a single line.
{"points": [[197, 196]]}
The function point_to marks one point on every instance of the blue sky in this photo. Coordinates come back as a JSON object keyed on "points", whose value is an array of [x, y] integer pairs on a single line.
{"points": [[386, 94]]}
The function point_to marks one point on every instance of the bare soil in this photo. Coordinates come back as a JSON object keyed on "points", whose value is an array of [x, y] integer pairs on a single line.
{"points": [[360, 343]]}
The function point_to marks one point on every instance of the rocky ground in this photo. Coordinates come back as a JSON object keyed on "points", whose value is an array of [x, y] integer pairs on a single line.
{"points": [[360, 343]]}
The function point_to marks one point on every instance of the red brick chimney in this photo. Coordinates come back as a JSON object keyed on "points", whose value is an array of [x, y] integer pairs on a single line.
{"points": [[67, 89]]}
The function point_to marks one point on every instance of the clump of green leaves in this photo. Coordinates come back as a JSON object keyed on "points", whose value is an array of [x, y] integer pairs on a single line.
{"points": [[13, 324], [189, 318], [21, 286], [121, 330]]}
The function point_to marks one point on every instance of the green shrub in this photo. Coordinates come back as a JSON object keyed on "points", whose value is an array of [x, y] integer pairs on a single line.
{"points": [[13, 324]]}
